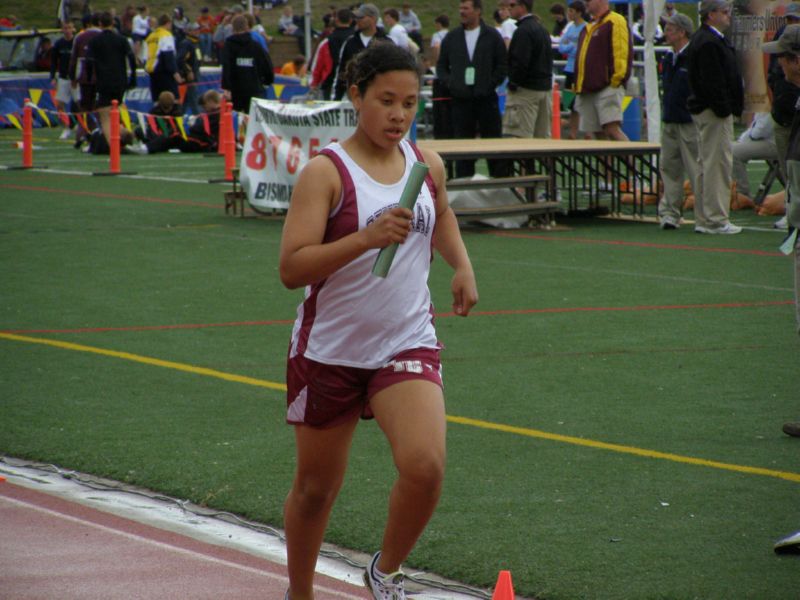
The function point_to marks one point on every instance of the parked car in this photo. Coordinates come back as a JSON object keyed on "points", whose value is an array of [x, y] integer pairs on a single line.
{"points": [[18, 47]]}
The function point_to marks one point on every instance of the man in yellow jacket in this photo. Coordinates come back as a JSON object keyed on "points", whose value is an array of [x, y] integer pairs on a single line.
{"points": [[602, 68], [162, 63]]}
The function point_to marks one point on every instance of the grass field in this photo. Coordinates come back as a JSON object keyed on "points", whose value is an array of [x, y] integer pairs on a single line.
{"points": [[614, 403]]}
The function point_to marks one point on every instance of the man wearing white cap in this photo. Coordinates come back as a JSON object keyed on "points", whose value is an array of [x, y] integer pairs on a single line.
{"points": [[717, 95]]}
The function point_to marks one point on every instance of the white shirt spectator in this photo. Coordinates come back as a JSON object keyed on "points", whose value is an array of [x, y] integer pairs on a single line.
{"points": [[399, 36], [141, 25], [507, 29], [410, 21], [436, 38], [471, 37]]}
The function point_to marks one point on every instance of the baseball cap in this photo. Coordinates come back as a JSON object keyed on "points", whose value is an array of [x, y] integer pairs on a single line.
{"points": [[789, 42], [682, 22], [366, 10], [792, 11]]}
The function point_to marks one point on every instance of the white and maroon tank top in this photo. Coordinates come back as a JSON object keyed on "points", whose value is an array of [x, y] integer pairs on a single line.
{"points": [[354, 318]]}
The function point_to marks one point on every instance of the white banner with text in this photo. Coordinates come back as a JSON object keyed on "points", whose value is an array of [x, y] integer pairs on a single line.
{"points": [[281, 139]]}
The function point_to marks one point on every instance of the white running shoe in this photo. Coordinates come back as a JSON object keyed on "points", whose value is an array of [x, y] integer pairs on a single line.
{"points": [[384, 587], [138, 148], [727, 229], [669, 222], [781, 223], [65, 135]]}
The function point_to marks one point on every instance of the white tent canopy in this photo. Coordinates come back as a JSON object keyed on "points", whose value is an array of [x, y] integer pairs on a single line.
{"points": [[652, 10]]}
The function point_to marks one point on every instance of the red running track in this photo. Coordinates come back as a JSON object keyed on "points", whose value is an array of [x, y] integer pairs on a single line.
{"points": [[52, 548]]}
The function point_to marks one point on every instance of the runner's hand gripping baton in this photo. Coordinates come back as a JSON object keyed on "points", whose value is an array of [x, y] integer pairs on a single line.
{"points": [[407, 200]]}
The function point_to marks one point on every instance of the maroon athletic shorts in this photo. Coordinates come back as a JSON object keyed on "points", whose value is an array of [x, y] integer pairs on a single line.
{"points": [[323, 395]]}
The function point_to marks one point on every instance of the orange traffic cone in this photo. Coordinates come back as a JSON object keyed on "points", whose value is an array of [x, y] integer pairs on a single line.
{"points": [[504, 589]]}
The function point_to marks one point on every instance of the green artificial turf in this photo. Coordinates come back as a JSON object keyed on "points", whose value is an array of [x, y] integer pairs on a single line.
{"points": [[601, 331]]}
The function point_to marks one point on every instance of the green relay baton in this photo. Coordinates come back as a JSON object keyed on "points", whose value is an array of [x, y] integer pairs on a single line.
{"points": [[407, 200]]}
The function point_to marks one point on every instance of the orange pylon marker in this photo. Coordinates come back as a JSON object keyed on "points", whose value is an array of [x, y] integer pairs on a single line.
{"points": [[556, 127], [27, 139], [229, 143], [222, 128], [114, 143], [2, 479], [504, 590], [113, 135], [27, 135]]}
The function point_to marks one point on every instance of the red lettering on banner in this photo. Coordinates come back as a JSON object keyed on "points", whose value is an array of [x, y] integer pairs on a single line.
{"points": [[293, 158], [313, 147], [257, 156], [275, 142]]}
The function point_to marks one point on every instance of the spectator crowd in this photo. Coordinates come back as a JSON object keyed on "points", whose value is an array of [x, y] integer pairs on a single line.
{"points": [[491, 78]]}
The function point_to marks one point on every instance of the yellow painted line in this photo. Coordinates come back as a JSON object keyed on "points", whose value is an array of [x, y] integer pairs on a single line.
{"points": [[555, 437], [156, 362], [524, 431]]}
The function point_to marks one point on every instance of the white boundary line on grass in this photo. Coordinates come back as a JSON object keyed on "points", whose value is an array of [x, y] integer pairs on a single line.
{"points": [[542, 264], [145, 177]]}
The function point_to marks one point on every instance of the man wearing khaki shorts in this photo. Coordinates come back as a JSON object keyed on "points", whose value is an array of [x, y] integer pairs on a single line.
{"points": [[602, 68]]}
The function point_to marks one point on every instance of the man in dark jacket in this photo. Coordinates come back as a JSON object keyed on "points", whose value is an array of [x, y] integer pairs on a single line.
{"points": [[472, 63], [107, 55], [529, 103], [717, 95], [678, 133], [246, 68], [82, 77], [343, 29], [367, 31], [110, 57], [188, 53]]}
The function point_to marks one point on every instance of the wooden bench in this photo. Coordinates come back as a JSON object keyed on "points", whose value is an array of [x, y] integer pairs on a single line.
{"points": [[235, 199], [507, 210], [512, 183], [526, 205]]}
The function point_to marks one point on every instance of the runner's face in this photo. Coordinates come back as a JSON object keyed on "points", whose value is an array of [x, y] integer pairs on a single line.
{"points": [[388, 107]]}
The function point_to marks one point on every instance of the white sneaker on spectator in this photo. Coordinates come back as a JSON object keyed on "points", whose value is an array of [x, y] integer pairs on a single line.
{"points": [[384, 587], [781, 223], [670, 223], [138, 148], [727, 229]]}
